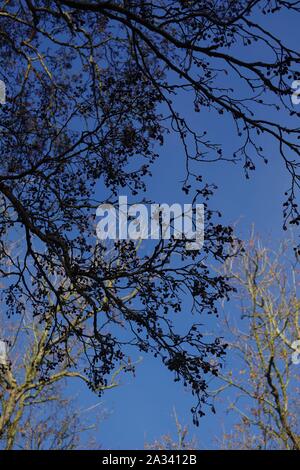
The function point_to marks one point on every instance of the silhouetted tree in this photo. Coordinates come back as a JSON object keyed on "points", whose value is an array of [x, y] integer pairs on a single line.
{"points": [[259, 387], [89, 98]]}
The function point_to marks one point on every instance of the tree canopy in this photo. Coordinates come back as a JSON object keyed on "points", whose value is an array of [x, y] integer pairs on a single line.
{"points": [[90, 88]]}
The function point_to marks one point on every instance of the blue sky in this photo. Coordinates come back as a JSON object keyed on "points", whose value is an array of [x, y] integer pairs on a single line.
{"points": [[140, 409]]}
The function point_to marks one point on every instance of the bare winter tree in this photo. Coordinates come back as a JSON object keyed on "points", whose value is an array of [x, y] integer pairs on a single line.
{"points": [[36, 412], [167, 442], [261, 383], [53, 420]]}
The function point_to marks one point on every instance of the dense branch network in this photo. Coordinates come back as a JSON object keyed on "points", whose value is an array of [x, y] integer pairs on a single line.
{"points": [[90, 98]]}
